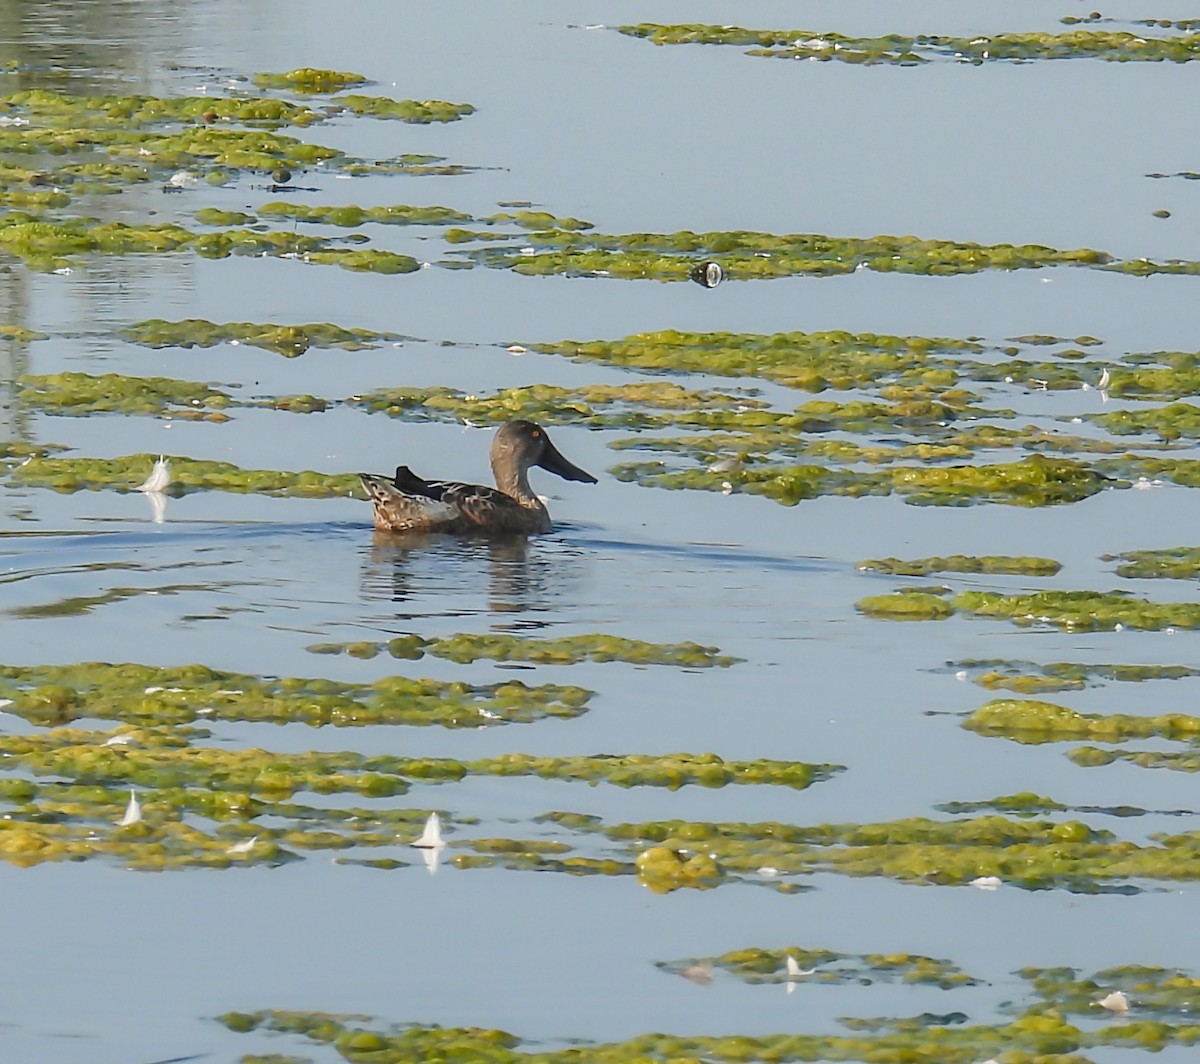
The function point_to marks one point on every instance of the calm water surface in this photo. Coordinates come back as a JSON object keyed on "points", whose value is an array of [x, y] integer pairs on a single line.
{"points": [[112, 965]]}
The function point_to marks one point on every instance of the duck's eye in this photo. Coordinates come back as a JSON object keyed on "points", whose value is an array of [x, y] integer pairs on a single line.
{"points": [[536, 433]]}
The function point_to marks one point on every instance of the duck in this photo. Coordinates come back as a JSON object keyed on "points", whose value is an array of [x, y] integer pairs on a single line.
{"points": [[407, 503]]}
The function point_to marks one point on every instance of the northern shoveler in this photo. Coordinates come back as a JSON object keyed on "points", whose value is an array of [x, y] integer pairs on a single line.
{"points": [[406, 503]]}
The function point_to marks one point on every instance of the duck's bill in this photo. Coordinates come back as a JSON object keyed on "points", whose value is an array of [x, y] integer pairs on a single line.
{"points": [[554, 462]]}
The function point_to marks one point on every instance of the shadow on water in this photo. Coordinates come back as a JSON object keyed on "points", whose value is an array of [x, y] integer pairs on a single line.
{"points": [[450, 576], [279, 571], [518, 575]]}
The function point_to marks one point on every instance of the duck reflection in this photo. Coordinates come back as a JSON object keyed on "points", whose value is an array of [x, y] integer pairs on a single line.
{"points": [[446, 575]]}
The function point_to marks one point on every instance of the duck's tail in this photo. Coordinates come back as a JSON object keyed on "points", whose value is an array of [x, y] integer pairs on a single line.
{"points": [[410, 484], [405, 482]]}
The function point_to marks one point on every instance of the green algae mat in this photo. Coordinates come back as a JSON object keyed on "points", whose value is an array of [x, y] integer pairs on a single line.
{"points": [[186, 144], [159, 747], [1064, 1013], [1181, 44], [671, 745], [933, 420]]}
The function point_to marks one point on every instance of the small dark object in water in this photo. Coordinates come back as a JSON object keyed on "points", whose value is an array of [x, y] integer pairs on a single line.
{"points": [[708, 274], [281, 175]]}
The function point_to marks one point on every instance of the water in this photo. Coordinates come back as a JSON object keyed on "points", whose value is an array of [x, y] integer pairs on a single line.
{"points": [[117, 965]]}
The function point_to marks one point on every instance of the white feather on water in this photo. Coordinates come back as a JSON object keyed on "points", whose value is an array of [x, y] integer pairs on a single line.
{"points": [[159, 479], [133, 811]]}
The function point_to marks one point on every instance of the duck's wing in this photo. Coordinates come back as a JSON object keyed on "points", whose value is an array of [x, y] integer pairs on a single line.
{"points": [[396, 509], [491, 510]]}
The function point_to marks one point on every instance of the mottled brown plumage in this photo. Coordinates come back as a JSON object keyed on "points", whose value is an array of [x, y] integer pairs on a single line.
{"points": [[406, 503]]}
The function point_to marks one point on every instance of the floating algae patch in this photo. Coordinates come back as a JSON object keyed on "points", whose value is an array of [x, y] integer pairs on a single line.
{"points": [[145, 695], [66, 181], [537, 220], [509, 846], [913, 410], [1157, 997], [597, 405], [246, 784], [287, 340], [409, 163], [17, 452], [568, 650], [223, 219], [826, 967], [1151, 470], [1081, 611], [911, 604], [1174, 563], [421, 112], [521, 855], [804, 435], [1032, 854], [208, 152], [1040, 376], [671, 771], [1033, 481], [363, 260], [112, 143], [19, 334], [50, 245], [840, 360], [748, 255], [1095, 17], [1028, 677], [902, 50], [1071, 611], [1028, 804], [787, 485], [60, 120], [48, 111], [812, 362], [1155, 375], [23, 200], [79, 394], [1039, 1033], [1182, 761], [1173, 422], [1034, 721], [177, 826], [127, 473], [350, 216], [933, 436], [1024, 804], [663, 870], [216, 153], [310, 80], [160, 840], [958, 563]]}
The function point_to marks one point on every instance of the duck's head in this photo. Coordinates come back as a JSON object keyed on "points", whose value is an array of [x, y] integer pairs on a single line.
{"points": [[524, 444]]}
